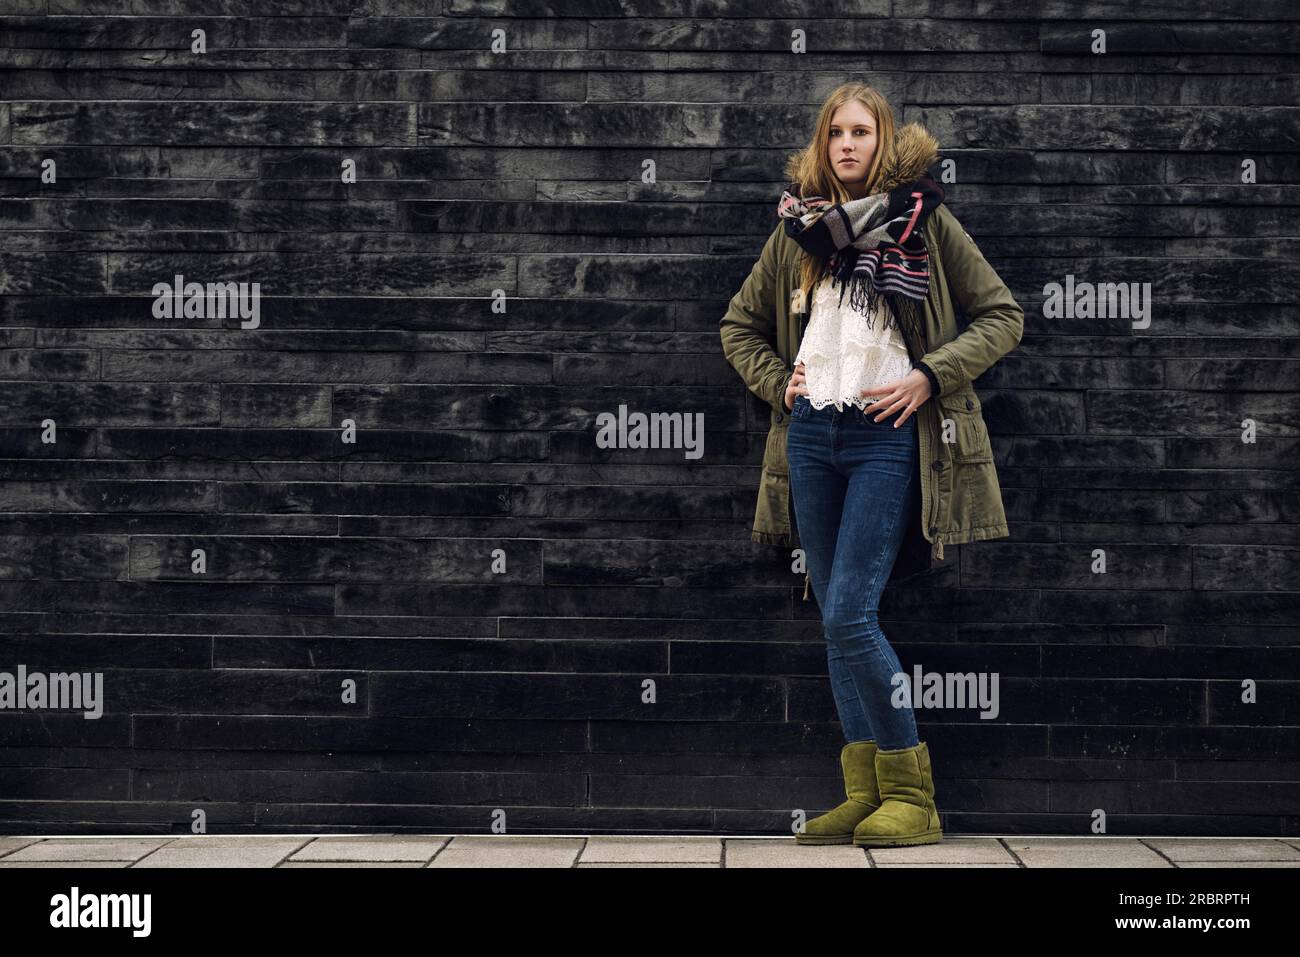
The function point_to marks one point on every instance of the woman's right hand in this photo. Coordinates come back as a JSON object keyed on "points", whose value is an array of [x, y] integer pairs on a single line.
{"points": [[795, 387]]}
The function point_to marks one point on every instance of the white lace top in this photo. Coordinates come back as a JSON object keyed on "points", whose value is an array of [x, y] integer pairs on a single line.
{"points": [[842, 356]]}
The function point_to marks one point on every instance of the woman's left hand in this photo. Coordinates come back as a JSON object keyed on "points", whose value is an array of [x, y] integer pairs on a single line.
{"points": [[908, 393]]}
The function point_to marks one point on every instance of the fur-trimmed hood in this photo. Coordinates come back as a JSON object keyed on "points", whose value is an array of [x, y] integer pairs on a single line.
{"points": [[915, 150]]}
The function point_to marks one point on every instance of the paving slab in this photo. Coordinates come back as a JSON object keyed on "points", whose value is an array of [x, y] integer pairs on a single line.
{"points": [[290, 865], [224, 852], [908, 864], [607, 849], [10, 844], [647, 864], [378, 848], [1084, 852], [88, 849], [978, 851], [1183, 850], [786, 853], [1259, 864], [72, 864], [482, 850]]}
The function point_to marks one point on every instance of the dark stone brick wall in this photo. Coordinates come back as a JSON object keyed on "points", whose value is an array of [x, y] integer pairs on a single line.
{"points": [[354, 469]]}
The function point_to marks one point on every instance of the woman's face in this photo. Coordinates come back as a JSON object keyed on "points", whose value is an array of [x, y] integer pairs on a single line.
{"points": [[851, 145]]}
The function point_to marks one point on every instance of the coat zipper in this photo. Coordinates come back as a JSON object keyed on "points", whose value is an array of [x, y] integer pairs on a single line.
{"points": [[801, 315], [932, 300]]}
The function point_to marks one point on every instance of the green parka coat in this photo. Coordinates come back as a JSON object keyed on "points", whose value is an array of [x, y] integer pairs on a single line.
{"points": [[960, 500]]}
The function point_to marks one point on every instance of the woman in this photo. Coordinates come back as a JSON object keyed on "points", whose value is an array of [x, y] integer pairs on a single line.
{"points": [[865, 248]]}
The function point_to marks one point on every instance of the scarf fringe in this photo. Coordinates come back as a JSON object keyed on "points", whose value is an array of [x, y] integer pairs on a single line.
{"points": [[867, 299]]}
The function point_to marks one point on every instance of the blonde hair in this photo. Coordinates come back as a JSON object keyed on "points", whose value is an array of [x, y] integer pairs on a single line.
{"points": [[812, 171]]}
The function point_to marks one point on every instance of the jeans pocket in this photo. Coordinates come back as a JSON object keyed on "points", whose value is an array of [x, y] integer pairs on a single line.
{"points": [[868, 415], [802, 408]]}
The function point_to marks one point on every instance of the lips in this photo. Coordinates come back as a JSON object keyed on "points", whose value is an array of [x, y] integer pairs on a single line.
{"points": [[847, 161]]}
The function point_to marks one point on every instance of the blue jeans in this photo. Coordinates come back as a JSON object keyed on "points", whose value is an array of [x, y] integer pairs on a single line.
{"points": [[852, 480]]}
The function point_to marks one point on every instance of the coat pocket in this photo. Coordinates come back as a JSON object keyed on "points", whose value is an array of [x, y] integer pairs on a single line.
{"points": [[962, 428], [774, 454], [772, 510]]}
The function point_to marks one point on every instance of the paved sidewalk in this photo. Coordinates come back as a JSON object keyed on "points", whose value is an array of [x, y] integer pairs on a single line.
{"points": [[445, 850]]}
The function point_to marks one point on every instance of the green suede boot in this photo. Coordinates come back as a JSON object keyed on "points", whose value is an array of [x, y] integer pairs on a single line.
{"points": [[907, 813], [836, 826]]}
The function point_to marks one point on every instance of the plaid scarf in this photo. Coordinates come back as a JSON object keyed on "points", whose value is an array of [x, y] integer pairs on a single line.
{"points": [[874, 245]]}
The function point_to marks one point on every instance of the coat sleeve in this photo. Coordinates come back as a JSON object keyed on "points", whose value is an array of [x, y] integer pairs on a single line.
{"points": [[749, 330], [996, 319]]}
